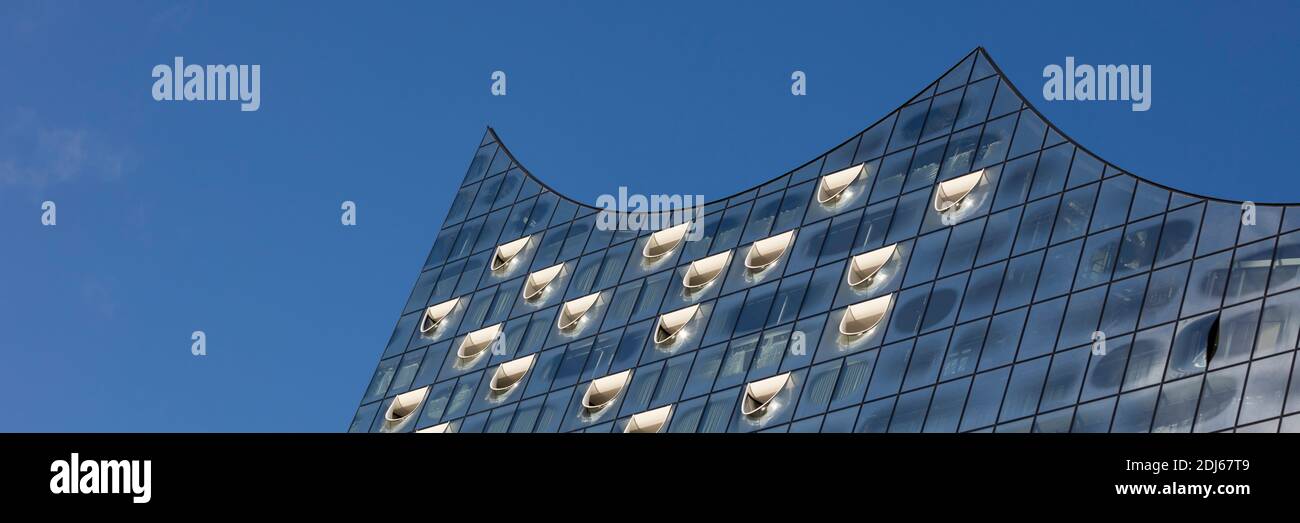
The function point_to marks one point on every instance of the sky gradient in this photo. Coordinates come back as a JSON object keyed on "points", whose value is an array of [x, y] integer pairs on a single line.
{"points": [[183, 216]]}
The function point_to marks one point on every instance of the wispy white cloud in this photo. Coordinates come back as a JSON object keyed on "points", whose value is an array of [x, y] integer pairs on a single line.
{"points": [[37, 154]]}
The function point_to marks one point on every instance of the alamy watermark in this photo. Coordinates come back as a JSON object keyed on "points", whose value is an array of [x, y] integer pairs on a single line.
{"points": [[638, 212], [1101, 82], [242, 83], [101, 476]]}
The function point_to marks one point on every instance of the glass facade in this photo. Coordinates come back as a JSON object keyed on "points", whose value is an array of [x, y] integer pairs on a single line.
{"points": [[1053, 292]]}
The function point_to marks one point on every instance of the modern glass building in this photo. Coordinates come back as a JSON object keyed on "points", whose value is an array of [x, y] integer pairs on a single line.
{"points": [[959, 266]]}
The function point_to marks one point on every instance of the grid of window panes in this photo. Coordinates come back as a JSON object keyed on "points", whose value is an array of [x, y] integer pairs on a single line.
{"points": [[1070, 297]]}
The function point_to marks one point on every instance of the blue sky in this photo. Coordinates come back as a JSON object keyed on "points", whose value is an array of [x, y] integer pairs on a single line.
{"points": [[176, 217]]}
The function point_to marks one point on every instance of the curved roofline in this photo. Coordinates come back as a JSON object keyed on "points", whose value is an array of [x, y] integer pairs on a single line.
{"points": [[978, 51]]}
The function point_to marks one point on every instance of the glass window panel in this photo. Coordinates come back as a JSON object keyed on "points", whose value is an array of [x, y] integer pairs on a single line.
{"points": [[927, 355], [946, 407], [994, 142], [786, 303], [807, 245], [770, 348], [1149, 200], [1179, 235], [406, 372], [442, 247], [729, 230], [486, 195], [1093, 417], [908, 309], [908, 215], [996, 242], [620, 307], [543, 372], [629, 346], [1267, 219], [960, 153], [1081, 317], [821, 290], [1029, 134], [911, 120], [460, 205], [943, 112], [1279, 323], [893, 171], [872, 144], [757, 305], [874, 416], [1018, 285], [1041, 329], [923, 261], [465, 240], [1058, 270], [985, 397], [577, 237], [909, 414], [575, 358], [852, 383], [674, 378], [1049, 177], [1236, 334], [1106, 368], [1003, 338], [1265, 388], [514, 179], [1086, 168], [1134, 412], [1036, 225], [1206, 285], [1025, 388], [722, 319], [1146, 362], [381, 380], [975, 105], [964, 351], [807, 329], [612, 266], [1006, 101], [1065, 379], [1219, 227], [1164, 295], [1098, 259], [541, 214], [1177, 405], [1286, 264], [961, 248], [944, 302], [817, 393], [1014, 185], [1075, 210], [1123, 305], [736, 364], [1250, 267], [875, 223], [839, 238], [762, 217], [1113, 203], [1138, 249], [526, 415], [707, 363], [982, 291], [888, 375], [718, 411], [647, 304]]}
